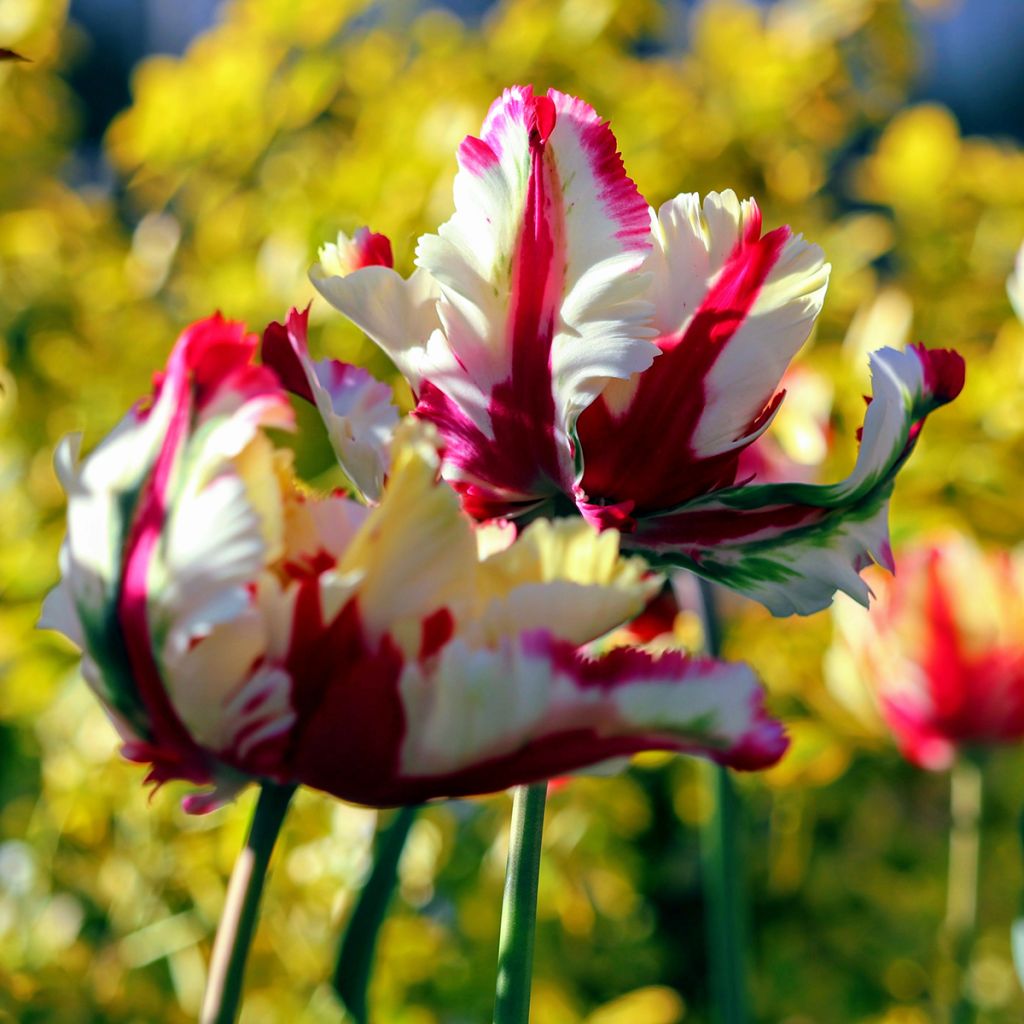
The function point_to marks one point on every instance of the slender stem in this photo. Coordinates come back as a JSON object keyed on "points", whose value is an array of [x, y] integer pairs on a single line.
{"points": [[965, 791], [723, 894], [711, 624], [238, 919], [359, 943], [1017, 928], [519, 905], [722, 872]]}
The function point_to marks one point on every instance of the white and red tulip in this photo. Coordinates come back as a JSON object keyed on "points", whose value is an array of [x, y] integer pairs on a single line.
{"points": [[580, 352], [236, 626], [940, 658]]}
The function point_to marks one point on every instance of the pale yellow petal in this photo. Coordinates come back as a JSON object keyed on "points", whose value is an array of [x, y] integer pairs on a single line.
{"points": [[268, 477], [416, 550], [564, 577]]}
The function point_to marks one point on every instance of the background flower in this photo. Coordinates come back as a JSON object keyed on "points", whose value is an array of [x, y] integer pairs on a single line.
{"points": [[941, 655]]}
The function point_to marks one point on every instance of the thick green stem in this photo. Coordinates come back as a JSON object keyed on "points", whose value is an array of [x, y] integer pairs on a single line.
{"points": [[722, 871], [238, 919], [359, 943], [965, 791], [519, 905]]}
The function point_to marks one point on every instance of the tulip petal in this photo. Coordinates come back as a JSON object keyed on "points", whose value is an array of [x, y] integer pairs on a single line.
{"points": [[540, 295], [398, 314], [565, 577], [356, 408], [791, 546], [732, 307], [473, 720], [537, 707], [415, 553]]}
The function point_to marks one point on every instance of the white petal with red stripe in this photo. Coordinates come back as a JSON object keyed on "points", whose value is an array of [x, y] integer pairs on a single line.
{"points": [[763, 293], [539, 269], [792, 546], [536, 706]]}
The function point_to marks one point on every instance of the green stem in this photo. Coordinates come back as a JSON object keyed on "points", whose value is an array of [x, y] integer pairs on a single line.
{"points": [[722, 871], [238, 919], [966, 800], [1017, 928], [519, 905], [359, 943]]}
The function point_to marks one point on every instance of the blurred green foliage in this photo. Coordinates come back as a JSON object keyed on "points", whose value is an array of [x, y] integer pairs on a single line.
{"points": [[293, 118]]}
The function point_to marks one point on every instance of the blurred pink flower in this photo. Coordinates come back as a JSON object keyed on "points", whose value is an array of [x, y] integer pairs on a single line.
{"points": [[940, 656]]}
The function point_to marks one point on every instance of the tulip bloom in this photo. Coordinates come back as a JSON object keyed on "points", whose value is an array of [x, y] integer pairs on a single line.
{"points": [[941, 655], [236, 626], [580, 352]]}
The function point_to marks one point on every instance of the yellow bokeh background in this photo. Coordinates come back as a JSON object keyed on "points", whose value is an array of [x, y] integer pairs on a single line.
{"points": [[291, 119]]}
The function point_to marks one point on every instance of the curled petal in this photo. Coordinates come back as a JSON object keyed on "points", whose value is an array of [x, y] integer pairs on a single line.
{"points": [[170, 519], [212, 400], [356, 408], [119, 496], [791, 546]]}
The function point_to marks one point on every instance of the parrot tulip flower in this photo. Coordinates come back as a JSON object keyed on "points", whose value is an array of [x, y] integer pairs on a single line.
{"points": [[580, 352], [940, 658], [236, 626]]}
